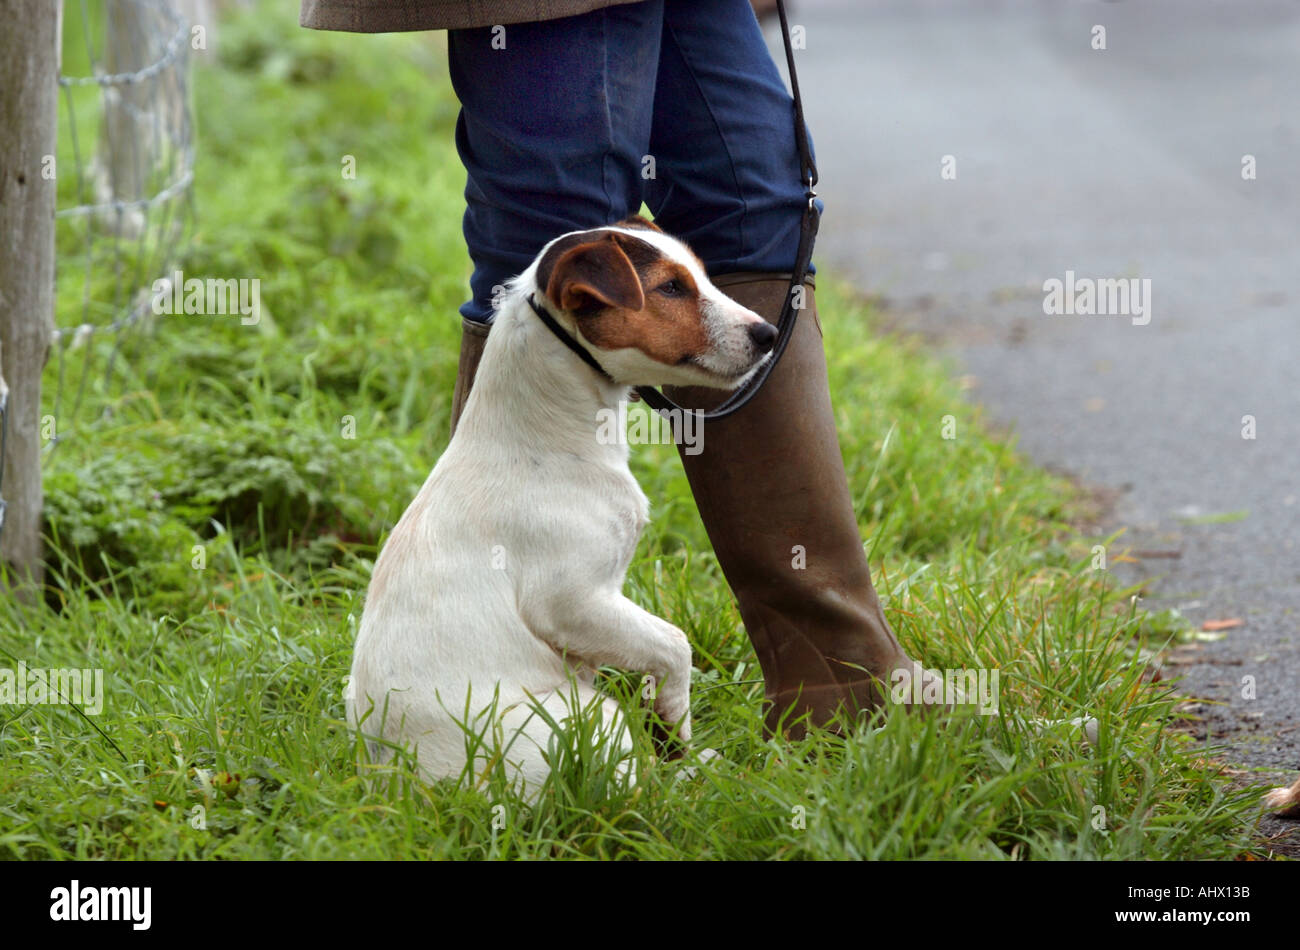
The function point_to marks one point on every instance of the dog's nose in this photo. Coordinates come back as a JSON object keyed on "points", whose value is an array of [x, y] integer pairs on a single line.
{"points": [[763, 334]]}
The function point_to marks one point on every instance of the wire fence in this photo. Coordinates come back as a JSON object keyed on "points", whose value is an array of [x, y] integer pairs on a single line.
{"points": [[130, 208], [124, 212]]}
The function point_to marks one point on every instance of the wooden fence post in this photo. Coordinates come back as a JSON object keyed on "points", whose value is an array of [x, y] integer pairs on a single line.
{"points": [[29, 71]]}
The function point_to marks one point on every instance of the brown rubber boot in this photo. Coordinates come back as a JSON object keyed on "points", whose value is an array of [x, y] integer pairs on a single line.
{"points": [[473, 338], [774, 498]]}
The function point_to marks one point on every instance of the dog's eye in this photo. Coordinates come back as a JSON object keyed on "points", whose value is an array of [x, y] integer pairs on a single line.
{"points": [[671, 288]]}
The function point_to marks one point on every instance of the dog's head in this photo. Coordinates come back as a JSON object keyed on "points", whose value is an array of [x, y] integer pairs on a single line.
{"points": [[641, 302]]}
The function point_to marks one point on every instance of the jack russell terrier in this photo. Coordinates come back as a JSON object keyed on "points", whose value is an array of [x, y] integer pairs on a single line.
{"points": [[500, 590]]}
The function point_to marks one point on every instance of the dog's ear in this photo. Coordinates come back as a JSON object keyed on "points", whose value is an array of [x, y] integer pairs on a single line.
{"points": [[595, 273]]}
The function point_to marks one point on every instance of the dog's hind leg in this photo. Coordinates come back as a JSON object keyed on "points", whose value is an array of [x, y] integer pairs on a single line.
{"points": [[570, 727]]}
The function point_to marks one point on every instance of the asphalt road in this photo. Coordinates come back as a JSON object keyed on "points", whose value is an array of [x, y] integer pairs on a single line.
{"points": [[1117, 163]]}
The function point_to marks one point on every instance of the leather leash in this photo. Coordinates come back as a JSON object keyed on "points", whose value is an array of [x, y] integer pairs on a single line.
{"points": [[789, 312]]}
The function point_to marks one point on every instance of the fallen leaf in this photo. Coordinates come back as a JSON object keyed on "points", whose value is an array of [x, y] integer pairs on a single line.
{"points": [[1227, 624]]}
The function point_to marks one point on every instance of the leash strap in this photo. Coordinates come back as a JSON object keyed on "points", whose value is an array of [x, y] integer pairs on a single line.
{"points": [[789, 312], [807, 237]]}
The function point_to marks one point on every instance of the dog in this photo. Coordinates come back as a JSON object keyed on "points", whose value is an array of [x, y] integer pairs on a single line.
{"points": [[1284, 801], [499, 592]]}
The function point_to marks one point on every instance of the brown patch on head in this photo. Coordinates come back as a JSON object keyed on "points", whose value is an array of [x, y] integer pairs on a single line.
{"points": [[638, 223], [625, 293], [669, 328], [590, 275]]}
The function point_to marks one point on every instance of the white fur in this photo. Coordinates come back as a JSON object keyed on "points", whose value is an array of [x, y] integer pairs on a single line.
{"points": [[502, 582], [1285, 801]]}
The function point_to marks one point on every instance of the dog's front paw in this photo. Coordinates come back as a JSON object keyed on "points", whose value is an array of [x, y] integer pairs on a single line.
{"points": [[670, 735], [673, 706], [684, 726]]}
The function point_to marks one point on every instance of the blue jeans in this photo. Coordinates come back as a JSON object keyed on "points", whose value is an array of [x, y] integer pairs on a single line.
{"points": [[577, 121]]}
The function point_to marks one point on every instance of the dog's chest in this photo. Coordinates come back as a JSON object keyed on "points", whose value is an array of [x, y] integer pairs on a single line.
{"points": [[591, 510], [627, 517], [608, 509], [627, 523]]}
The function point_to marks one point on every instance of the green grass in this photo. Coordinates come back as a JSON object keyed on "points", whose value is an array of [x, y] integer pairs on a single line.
{"points": [[222, 447]]}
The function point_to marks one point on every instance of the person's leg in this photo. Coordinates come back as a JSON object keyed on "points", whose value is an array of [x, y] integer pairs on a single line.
{"points": [[554, 121], [727, 172], [770, 482]]}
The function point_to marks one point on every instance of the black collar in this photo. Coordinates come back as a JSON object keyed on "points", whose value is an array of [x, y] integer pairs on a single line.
{"points": [[567, 340]]}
